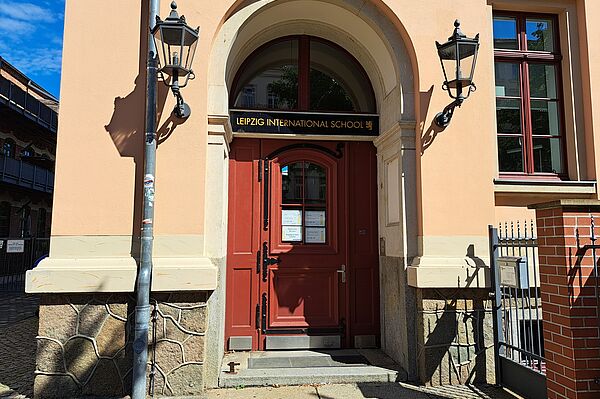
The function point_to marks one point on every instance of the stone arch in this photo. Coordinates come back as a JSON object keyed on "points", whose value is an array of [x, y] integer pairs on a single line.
{"points": [[369, 31]]}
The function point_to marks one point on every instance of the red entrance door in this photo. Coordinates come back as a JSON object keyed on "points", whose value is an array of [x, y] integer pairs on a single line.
{"points": [[302, 245]]}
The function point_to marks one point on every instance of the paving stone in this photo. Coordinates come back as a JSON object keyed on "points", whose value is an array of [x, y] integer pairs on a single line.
{"points": [[17, 358]]}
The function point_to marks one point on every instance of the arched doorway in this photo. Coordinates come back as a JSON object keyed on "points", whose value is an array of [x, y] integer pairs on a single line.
{"points": [[302, 259], [376, 38]]}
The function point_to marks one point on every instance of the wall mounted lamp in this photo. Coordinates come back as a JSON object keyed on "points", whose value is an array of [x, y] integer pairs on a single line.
{"points": [[458, 57], [175, 43]]}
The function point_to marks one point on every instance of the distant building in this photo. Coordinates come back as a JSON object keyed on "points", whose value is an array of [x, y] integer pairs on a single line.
{"points": [[28, 122]]}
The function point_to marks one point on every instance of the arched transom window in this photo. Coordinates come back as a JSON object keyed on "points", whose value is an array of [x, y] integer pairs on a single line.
{"points": [[302, 73]]}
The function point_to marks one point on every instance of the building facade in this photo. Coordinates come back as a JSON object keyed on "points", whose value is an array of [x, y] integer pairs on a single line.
{"points": [[28, 123], [309, 200], [28, 142]]}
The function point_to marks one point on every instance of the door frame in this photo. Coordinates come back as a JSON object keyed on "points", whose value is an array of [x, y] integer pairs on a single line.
{"points": [[336, 225], [337, 151]]}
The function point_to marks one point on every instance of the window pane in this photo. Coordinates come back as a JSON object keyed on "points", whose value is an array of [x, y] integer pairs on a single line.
{"points": [[327, 94], [505, 33], [542, 80], [547, 155], [508, 81], [508, 115], [315, 183], [291, 183], [510, 154], [545, 117], [270, 79], [540, 34], [337, 82]]}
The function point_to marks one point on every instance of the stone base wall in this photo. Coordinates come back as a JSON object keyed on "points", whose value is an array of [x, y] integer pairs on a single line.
{"points": [[455, 336], [397, 307], [85, 345]]}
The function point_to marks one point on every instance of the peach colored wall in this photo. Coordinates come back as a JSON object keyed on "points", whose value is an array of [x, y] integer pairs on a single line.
{"points": [[589, 10], [101, 127], [95, 172]]}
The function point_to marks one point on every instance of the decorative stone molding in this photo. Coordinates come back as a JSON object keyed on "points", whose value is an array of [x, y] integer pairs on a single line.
{"points": [[118, 275], [219, 126]]}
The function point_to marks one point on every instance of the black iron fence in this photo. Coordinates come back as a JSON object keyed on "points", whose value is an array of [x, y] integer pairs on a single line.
{"points": [[17, 255], [518, 324]]}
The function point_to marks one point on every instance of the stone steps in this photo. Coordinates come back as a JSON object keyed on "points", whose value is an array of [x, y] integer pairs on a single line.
{"points": [[380, 368]]}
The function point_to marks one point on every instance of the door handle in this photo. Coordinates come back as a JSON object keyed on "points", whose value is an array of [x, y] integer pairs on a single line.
{"points": [[266, 261], [342, 271]]}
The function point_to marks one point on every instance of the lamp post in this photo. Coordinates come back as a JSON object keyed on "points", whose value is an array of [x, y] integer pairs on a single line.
{"points": [[458, 57], [175, 54]]}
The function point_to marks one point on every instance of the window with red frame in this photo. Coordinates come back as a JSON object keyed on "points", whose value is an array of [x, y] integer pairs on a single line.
{"points": [[528, 95]]}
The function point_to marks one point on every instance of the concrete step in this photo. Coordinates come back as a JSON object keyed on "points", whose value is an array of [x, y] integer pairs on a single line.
{"points": [[380, 368]]}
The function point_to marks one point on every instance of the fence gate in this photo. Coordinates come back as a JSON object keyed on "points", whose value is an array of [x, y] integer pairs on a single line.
{"points": [[518, 326], [17, 255]]}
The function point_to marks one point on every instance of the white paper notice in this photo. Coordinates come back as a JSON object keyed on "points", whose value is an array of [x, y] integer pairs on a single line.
{"points": [[315, 218], [315, 235], [291, 217], [291, 233]]}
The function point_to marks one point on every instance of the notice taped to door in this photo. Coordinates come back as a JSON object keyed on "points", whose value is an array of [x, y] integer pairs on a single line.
{"points": [[315, 235], [315, 218], [291, 217], [291, 233]]}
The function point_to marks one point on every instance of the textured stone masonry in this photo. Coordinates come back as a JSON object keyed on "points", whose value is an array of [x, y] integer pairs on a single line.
{"points": [[456, 336], [85, 345]]}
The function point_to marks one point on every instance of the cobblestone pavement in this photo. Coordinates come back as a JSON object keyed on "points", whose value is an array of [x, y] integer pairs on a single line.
{"points": [[17, 358], [15, 307], [363, 391]]}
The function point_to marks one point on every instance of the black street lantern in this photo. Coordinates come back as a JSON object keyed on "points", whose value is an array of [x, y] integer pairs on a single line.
{"points": [[175, 43], [458, 57]]}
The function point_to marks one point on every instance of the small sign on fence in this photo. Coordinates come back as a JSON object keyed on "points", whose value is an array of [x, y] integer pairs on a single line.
{"points": [[15, 246], [513, 271]]}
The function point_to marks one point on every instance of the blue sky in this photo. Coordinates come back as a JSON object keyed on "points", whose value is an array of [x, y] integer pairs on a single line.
{"points": [[31, 33]]}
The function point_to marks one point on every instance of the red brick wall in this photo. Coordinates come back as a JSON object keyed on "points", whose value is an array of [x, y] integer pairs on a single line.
{"points": [[569, 303]]}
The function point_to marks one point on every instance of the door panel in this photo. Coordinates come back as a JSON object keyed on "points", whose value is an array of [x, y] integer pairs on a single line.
{"points": [[303, 298], [363, 243], [242, 285], [306, 197], [242, 241]]}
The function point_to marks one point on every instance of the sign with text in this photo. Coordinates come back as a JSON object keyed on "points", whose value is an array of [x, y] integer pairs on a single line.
{"points": [[279, 122], [15, 246]]}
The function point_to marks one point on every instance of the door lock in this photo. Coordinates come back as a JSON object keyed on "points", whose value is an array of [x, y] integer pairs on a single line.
{"points": [[342, 271], [267, 261]]}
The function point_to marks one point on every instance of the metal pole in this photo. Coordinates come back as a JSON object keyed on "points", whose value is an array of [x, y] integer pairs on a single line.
{"points": [[144, 277], [497, 301]]}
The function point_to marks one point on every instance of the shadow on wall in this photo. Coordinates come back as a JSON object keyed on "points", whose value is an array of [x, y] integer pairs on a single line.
{"points": [[127, 125], [85, 345], [457, 341], [428, 135], [474, 279]]}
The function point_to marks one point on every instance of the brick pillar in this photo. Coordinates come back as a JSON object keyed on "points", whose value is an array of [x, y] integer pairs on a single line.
{"points": [[569, 302]]}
